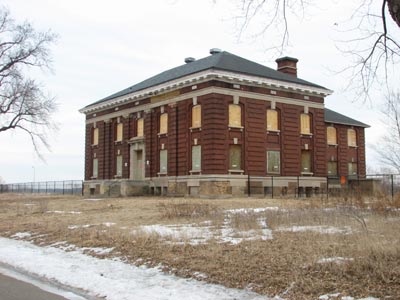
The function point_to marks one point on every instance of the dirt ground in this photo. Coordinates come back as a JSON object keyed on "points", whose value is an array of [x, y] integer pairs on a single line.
{"points": [[296, 249]]}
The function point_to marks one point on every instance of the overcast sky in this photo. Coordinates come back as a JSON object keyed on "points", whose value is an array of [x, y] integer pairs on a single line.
{"points": [[106, 46]]}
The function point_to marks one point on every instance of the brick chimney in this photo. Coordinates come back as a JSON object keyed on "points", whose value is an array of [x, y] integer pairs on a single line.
{"points": [[287, 65]]}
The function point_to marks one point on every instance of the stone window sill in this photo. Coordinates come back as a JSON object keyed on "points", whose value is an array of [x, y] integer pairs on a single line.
{"points": [[239, 172]]}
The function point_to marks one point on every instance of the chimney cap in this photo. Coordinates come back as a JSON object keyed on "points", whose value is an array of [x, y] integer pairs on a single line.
{"points": [[189, 59], [215, 51], [286, 58]]}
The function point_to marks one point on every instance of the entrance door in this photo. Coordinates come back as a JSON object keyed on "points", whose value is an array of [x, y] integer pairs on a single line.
{"points": [[138, 165]]}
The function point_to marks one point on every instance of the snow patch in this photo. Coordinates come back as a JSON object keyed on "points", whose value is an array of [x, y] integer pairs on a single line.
{"points": [[337, 260], [22, 235], [319, 229], [63, 212], [110, 279]]}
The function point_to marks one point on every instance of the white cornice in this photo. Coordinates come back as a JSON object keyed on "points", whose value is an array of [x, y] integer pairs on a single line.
{"points": [[201, 77]]}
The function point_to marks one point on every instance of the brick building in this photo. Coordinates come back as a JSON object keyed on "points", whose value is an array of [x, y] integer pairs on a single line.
{"points": [[204, 127]]}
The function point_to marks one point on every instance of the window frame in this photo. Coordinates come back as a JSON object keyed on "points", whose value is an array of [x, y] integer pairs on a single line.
{"points": [[350, 166], [336, 168], [95, 136], [95, 168], [303, 122], [351, 138], [235, 122], [196, 168], [310, 164], [140, 127], [231, 167], [275, 118], [163, 128], [329, 140], [163, 155], [196, 116], [118, 165], [278, 152], [119, 132]]}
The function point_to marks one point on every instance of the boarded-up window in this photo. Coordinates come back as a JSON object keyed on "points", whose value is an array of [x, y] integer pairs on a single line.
{"points": [[352, 168], [164, 123], [331, 135], [235, 157], [95, 168], [163, 161], [332, 168], [196, 158], [272, 120], [306, 161], [351, 138], [196, 116], [139, 128], [119, 165], [95, 136], [235, 115], [273, 162], [120, 128], [305, 124]]}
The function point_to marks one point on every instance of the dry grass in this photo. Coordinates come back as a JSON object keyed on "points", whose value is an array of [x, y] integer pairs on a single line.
{"points": [[287, 265]]}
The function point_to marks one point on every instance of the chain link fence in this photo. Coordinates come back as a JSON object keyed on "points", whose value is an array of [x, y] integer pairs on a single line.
{"points": [[65, 187]]}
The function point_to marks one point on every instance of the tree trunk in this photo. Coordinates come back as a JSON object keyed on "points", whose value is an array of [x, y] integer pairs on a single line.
{"points": [[394, 9]]}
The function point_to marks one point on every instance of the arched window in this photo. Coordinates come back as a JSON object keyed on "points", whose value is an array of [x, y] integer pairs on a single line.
{"points": [[235, 115], [196, 116], [351, 138], [164, 123], [331, 135], [272, 120]]}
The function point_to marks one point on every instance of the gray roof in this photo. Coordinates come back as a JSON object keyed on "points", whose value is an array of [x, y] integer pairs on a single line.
{"points": [[334, 117], [219, 61]]}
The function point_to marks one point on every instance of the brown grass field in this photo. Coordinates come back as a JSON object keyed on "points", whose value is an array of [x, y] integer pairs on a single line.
{"points": [[363, 259]]}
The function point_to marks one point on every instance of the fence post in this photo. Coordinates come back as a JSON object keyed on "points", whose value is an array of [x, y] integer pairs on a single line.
{"points": [[248, 185], [298, 186], [391, 179], [63, 186], [272, 183], [327, 188]]}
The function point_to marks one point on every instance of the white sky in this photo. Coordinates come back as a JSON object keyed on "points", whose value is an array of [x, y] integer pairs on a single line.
{"points": [[105, 46]]}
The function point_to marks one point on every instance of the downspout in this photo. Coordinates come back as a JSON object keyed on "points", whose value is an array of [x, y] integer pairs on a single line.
{"points": [[176, 141]]}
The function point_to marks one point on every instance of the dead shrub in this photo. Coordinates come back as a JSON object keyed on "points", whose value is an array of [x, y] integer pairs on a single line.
{"points": [[187, 209], [245, 221]]}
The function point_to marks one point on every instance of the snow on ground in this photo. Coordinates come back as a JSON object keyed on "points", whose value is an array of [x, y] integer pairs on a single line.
{"points": [[337, 296], [253, 210], [111, 279], [63, 212], [337, 260], [194, 234], [319, 229], [22, 235]]}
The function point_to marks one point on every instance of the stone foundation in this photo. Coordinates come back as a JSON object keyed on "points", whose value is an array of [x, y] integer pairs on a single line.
{"points": [[216, 186]]}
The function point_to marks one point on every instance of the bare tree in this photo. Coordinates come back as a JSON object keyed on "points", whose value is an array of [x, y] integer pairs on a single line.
{"points": [[23, 104], [376, 45], [388, 147]]}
